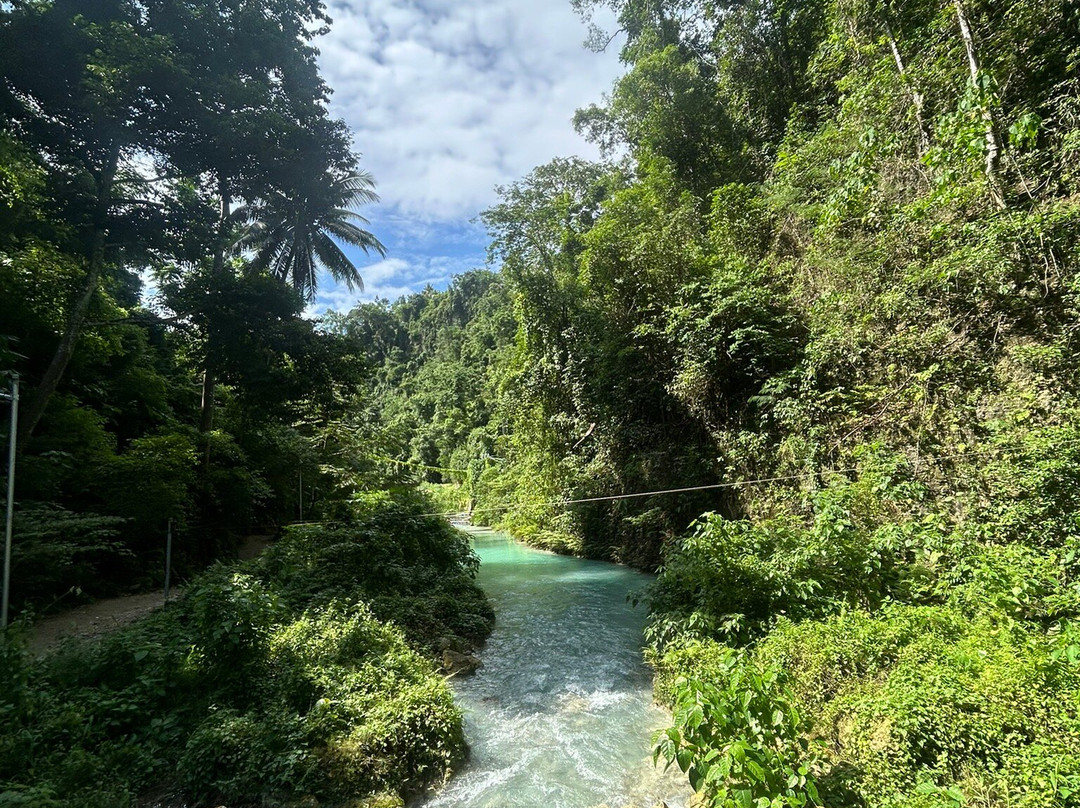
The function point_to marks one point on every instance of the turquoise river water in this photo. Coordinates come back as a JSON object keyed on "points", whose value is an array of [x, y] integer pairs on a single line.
{"points": [[560, 715]]}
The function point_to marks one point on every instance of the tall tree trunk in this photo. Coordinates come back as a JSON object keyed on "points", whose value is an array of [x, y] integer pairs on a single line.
{"points": [[206, 412], [76, 319], [993, 150], [209, 380], [917, 99]]}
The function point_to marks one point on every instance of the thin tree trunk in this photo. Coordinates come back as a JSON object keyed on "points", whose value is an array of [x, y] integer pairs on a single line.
{"points": [[917, 99], [206, 413], [76, 320], [209, 380], [993, 150]]}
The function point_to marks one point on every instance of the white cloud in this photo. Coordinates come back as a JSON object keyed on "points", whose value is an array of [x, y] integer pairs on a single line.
{"points": [[375, 274], [449, 98], [342, 299]]}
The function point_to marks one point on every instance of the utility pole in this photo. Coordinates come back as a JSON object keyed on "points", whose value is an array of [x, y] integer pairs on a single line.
{"points": [[13, 397]]}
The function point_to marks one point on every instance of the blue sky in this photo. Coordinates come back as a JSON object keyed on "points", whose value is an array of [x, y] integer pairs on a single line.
{"points": [[447, 99]]}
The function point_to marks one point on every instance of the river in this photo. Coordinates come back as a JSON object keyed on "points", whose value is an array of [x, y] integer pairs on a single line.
{"points": [[560, 715]]}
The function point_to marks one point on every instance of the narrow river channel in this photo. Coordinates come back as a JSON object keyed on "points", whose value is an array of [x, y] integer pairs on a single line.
{"points": [[560, 715]]}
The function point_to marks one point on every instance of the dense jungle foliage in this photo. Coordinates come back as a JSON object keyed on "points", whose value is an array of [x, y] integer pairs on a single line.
{"points": [[831, 269], [302, 674], [827, 276], [169, 178], [171, 187]]}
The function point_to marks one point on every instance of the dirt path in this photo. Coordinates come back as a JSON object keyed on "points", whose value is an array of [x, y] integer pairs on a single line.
{"points": [[94, 619], [99, 618]]}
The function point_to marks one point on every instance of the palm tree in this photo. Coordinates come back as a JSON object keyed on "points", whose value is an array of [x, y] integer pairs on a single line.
{"points": [[293, 236]]}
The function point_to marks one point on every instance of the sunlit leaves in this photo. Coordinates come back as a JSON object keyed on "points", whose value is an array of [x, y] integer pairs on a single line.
{"points": [[739, 738]]}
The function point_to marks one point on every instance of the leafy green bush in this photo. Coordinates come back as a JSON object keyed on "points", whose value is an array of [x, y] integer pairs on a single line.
{"points": [[58, 552], [414, 570], [740, 737], [938, 656], [268, 681], [735, 578], [447, 497], [92, 724], [232, 615], [232, 756], [912, 705], [153, 478]]}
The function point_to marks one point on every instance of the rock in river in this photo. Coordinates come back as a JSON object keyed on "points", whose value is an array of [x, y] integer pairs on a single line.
{"points": [[455, 662]]}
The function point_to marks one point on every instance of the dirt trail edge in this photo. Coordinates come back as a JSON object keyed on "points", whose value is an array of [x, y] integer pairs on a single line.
{"points": [[95, 619]]}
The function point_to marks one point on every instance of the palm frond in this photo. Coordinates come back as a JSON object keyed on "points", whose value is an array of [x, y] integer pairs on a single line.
{"points": [[345, 215], [251, 236], [356, 236], [337, 263], [247, 214], [282, 261], [294, 236], [356, 189]]}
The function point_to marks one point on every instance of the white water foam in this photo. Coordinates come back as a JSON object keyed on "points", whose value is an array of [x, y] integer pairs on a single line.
{"points": [[560, 716]]}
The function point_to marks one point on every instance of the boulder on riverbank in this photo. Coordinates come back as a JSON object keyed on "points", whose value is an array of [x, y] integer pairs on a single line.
{"points": [[379, 801], [456, 663]]}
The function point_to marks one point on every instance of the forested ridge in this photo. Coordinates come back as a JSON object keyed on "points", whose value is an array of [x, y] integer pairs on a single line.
{"points": [[826, 275]]}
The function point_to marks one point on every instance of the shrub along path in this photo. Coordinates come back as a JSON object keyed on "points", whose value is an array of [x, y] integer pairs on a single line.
{"points": [[304, 674]]}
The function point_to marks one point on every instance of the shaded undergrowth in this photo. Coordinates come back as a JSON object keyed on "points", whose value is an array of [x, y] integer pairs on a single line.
{"points": [[302, 674]]}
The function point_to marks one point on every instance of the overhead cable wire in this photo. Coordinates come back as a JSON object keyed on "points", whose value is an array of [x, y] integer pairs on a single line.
{"points": [[413, 464], [724, 485], [555, 503]]}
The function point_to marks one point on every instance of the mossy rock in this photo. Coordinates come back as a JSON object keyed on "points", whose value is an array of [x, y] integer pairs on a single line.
{"points": [[379, 801]]}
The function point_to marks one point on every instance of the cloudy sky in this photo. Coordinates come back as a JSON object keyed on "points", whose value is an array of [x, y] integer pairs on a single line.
{"points": [[447, 99]]}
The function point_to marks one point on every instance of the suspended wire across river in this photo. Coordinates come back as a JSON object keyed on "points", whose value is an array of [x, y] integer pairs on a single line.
{"points": [[560, 503]]}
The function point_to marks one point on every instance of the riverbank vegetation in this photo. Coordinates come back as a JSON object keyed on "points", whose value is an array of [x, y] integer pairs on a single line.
{"points": [[825, 278], [305, 673], [831, 268], [171, 187]]}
